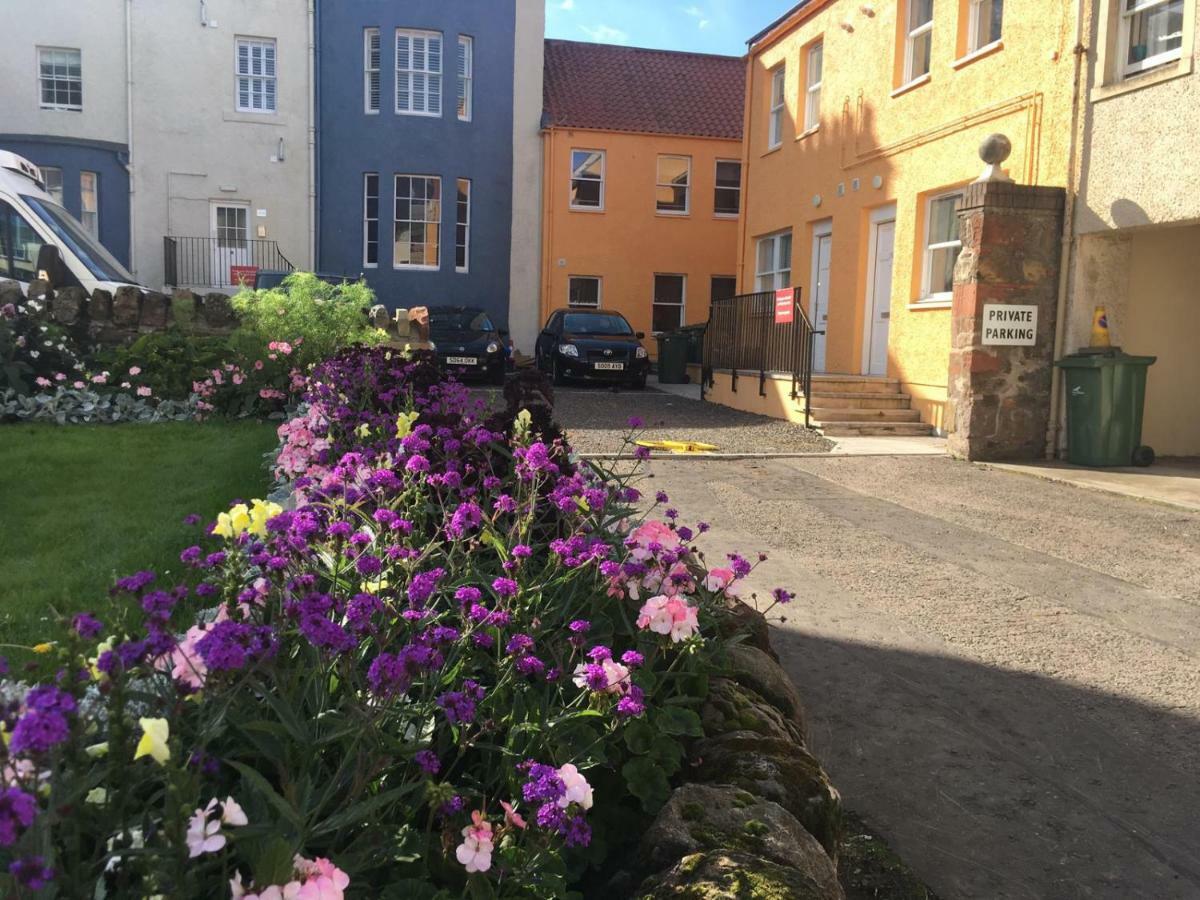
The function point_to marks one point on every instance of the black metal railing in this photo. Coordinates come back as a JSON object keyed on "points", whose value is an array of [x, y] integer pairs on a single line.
{"points": [[743, 336], [218, 262]]}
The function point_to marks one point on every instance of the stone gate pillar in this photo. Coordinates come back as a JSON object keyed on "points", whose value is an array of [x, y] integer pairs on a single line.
{"points": [[1002, 330]]}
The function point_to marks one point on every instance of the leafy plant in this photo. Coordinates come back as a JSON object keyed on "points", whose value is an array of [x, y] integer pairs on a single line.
{"points": [[314, 318]]}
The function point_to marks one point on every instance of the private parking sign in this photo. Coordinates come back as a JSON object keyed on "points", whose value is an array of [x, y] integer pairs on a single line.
{"points": [[1006, 325], [785, 305]]}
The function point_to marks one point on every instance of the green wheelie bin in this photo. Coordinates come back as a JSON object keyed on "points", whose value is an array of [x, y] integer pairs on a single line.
{"points": [[672, 358], [1106, 393]]}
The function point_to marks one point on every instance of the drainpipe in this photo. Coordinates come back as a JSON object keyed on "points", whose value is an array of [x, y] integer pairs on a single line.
{"points": [[1083, 9], [312, 135], [747, 133], [129, 135]]}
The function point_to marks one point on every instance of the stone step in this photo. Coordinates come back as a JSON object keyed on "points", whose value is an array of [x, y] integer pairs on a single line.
{"points": [[829, 415], [863, 429], [868, 399], [854, 383]]}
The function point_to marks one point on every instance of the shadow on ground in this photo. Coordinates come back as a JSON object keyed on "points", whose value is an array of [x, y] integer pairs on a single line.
{"points": [[997, 784]]}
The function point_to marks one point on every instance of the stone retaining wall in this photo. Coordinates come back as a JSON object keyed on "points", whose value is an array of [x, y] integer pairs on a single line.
{"points": [[757, 816], [119, 317]]}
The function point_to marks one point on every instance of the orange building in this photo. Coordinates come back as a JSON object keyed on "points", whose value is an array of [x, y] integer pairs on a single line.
{"points": [[862, 126], [642, 190]]}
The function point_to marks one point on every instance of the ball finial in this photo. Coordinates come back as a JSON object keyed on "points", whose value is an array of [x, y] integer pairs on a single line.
{"points": [[995, 149]]}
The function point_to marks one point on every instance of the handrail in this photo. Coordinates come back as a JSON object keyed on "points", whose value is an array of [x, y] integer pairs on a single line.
{"points": [[210, 261], [743, 335]]}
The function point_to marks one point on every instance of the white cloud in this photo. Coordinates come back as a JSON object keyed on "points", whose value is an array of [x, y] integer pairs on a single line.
{"points": [[605, 34], [568, 5], [698, 14]]}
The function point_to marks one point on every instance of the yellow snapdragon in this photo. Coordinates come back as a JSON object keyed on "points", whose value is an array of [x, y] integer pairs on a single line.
{"points": [[242, 519], [155, 733], [405, 422]]}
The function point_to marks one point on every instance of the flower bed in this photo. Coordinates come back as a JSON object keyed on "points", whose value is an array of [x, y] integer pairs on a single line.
{"points": [[458, 661]]}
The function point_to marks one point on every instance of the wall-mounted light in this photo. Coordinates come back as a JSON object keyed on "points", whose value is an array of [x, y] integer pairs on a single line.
{"points": [[279, 153]]}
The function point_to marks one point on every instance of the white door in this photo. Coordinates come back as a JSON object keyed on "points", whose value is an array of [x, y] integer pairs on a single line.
{"points": [[819, 308], [883, 239], [231, 241]]}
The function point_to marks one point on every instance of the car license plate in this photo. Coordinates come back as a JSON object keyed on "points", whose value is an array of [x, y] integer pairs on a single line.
{"points": [[611, 366], [462, 360]]}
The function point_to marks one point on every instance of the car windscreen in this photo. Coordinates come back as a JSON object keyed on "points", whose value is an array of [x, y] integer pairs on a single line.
{"points": [[591, 324], [460, 320], [102, 264]]}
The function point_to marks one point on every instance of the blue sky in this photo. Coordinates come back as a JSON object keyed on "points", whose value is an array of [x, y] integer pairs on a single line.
{"points": [[706, 26]]}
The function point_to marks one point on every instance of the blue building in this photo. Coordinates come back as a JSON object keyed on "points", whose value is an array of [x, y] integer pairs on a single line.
{"points": [[422, 148]]}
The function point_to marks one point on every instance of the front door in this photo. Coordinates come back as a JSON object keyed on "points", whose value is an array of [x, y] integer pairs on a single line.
{"points": [[819, 310], [231, 241], [879, 299]]}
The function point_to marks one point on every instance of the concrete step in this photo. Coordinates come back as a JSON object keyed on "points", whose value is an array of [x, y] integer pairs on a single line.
{"points": [[829, 415], [863, 429], [854, 383], [868, 399]]}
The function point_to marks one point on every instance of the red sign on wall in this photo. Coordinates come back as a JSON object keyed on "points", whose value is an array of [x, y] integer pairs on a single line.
{"points": [[243, 275], [785, 306]]}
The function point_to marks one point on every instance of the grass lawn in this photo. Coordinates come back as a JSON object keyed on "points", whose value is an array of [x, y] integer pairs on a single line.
{"points": [[80, 505]]}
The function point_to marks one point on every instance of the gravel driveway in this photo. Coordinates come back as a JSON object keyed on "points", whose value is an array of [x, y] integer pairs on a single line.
{"points": [[596, 420], [1002, 674]]}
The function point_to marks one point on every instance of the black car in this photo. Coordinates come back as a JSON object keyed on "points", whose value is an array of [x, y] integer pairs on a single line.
{"points": [[467, 342], [593, 344]]}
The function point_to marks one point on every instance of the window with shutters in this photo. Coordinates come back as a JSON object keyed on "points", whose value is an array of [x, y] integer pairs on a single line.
{"points": [[418, 222], [462, 227], [466, 75], [60, 78], [371, 73], [418, 73], [256, 87], [371, 220]]}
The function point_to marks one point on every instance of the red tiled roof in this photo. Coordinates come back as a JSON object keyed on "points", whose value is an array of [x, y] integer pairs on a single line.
{"points": [[614, 88]]}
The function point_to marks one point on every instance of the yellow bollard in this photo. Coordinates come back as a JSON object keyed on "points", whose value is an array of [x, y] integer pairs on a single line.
{"points": [[1100, 336]]}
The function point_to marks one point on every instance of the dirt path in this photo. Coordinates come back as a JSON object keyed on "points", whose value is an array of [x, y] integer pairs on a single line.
{"points": [[1002, 674]]}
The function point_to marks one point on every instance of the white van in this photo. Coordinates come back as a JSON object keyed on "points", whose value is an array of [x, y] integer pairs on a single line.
{"points": [[38, 235]]}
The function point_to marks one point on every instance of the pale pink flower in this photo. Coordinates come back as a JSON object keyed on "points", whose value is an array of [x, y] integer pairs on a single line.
{"points": [[578, 789], [722, 580], [60, 377], [617, 675], [135, 370], [511, 816], [78, 385], [232, 813], [144, 391], [204, 836], [102, 378], [238, 378], [669, 615], [42, 382], [258, 365], [475, 852], [126, 385]]}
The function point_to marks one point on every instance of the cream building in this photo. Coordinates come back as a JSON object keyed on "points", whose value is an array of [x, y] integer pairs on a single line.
{"points": [[1137, 216], [188, 120]]}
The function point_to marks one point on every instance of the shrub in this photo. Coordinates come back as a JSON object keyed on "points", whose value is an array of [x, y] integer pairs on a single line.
{"points": [[314, 318], [168, 362], [462, 662], [31, 347]]}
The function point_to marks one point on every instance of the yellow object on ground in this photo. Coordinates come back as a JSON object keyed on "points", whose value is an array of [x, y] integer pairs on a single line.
{"points": [[678, 446]]}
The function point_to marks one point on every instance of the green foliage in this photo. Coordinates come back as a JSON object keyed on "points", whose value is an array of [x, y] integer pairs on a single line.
{"points": [[171, 361], [315, 318]]}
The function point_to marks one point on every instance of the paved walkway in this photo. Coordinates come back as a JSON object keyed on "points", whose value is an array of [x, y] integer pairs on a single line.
{"points": [[1002, 674], [1172, 481]]}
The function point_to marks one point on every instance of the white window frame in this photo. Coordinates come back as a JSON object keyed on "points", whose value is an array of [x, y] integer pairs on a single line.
{"points": [[599, 291], [718, 187], [407, 76], [659, 183], [264, 84], [462, 218], [975, 43], [55, 190], [812, 87], [911, 34], [465, 98], [372, 71], [681, 305], [367, 220], [1125, 35], [436, 224], [90, 218], [775, 274], [928, 248], [587, 207], [50, 55], [778, 105]]}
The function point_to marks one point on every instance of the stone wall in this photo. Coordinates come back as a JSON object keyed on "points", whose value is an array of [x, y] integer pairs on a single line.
{"points": [[118, 318], [1011, 255], [757, 816]]}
